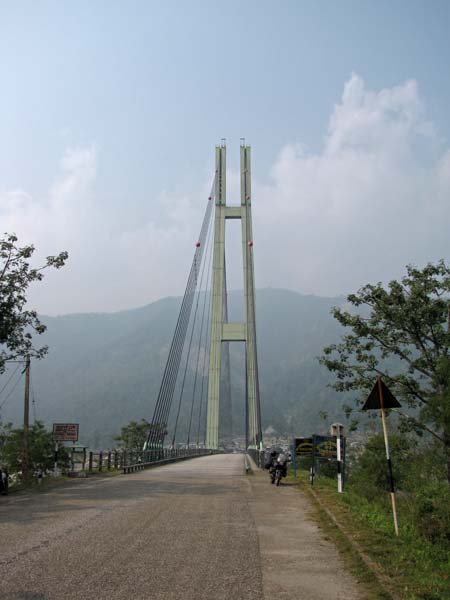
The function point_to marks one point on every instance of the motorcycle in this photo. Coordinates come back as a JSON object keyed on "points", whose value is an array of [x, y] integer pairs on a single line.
{"points": [[278, 469]]}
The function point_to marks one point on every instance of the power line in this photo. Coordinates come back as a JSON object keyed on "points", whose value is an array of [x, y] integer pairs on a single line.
{"points": [[9, 379], [12, 390], [33, 398]]}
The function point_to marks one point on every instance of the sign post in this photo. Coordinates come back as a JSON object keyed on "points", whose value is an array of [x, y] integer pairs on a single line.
{"points": [[55, 470], [64, 432], [312, 470], [337, 430], [302, 447], [381, 397]]}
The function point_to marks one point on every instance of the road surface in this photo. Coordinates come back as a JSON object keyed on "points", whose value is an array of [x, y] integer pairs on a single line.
{"points": [[194, 530]]}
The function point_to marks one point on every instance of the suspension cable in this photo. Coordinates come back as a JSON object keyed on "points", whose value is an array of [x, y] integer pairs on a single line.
{"points": [[170, 374], [190, 341], [200, 335], [206, 352], [165, 396], [179, 339]]}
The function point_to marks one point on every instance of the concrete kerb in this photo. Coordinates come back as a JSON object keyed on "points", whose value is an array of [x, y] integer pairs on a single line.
{"points": [[250, 465]]}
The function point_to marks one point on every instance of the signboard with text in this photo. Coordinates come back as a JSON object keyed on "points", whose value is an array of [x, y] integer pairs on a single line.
{"points": [[304, 446], [65, 432], [325, 446]]}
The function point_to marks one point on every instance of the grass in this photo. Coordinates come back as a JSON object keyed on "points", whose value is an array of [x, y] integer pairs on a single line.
{"points": [[352, 558], [413, 567]]}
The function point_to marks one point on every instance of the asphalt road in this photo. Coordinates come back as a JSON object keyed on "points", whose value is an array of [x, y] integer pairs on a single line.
{"points": [[193, 530]]}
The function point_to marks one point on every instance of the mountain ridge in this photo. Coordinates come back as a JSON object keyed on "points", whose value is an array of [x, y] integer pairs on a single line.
{"points": [[104, 369]]}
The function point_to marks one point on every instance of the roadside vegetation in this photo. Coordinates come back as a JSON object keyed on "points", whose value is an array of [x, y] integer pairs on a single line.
{"points": [[417, 563], [133, 435], [31, 448], [400, 332], [41, 451], [18, 324]]}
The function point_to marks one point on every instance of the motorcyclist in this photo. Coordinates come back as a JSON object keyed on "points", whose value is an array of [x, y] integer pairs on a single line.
{"points": [[281, 461], [276, 460], [271, 458]]}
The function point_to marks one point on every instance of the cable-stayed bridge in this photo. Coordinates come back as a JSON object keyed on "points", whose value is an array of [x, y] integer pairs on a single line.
{"points": [[203, 332], [191, 530]]}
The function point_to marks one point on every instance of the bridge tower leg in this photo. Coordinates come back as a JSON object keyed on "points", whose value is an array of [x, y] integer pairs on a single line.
{"points": [[223, 331]]}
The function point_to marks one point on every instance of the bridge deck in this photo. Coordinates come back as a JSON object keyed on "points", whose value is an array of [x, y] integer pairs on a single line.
{"points": [[194, 530]]}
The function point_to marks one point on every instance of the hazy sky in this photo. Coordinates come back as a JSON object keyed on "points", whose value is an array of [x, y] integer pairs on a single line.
{"points": [[109, 113]]}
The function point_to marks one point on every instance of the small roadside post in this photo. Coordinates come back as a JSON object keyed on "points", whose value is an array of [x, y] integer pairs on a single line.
{"points": [[312, 471], [381, 398], [26, 424], [55, 468], [294, 458], [337, 430]]}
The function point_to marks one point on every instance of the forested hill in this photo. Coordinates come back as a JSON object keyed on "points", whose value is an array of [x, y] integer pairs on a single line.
{"points": [[105, 369]]}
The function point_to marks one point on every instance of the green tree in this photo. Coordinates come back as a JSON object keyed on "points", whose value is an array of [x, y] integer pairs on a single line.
{"points": [[134, 435], [400, 332], [41, 447], [16, 323], [369, 473]]}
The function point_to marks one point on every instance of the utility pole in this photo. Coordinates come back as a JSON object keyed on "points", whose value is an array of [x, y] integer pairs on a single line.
{"points": [[26, 420]]}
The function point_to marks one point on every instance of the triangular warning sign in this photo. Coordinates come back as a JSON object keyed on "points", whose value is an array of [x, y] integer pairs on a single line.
{"points": [[374, 401]]}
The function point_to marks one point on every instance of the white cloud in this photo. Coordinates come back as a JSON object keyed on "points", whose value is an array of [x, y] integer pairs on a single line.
{"points": [[109, 267], [374, 199]]}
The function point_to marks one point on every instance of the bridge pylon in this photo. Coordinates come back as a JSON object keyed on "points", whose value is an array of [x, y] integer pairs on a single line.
{"points": [[223, 331]]}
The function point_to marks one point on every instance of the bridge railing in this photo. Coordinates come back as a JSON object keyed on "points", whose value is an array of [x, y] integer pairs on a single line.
{"points": [[129, 461], [135, 461], [257, 456]]}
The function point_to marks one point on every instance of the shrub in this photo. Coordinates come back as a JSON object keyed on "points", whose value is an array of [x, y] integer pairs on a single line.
{"points": [[432, 511], [40, 448], [370, 474]]}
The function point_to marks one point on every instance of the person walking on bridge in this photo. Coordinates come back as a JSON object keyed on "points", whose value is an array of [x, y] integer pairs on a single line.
{"points": [[4, 481]]}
